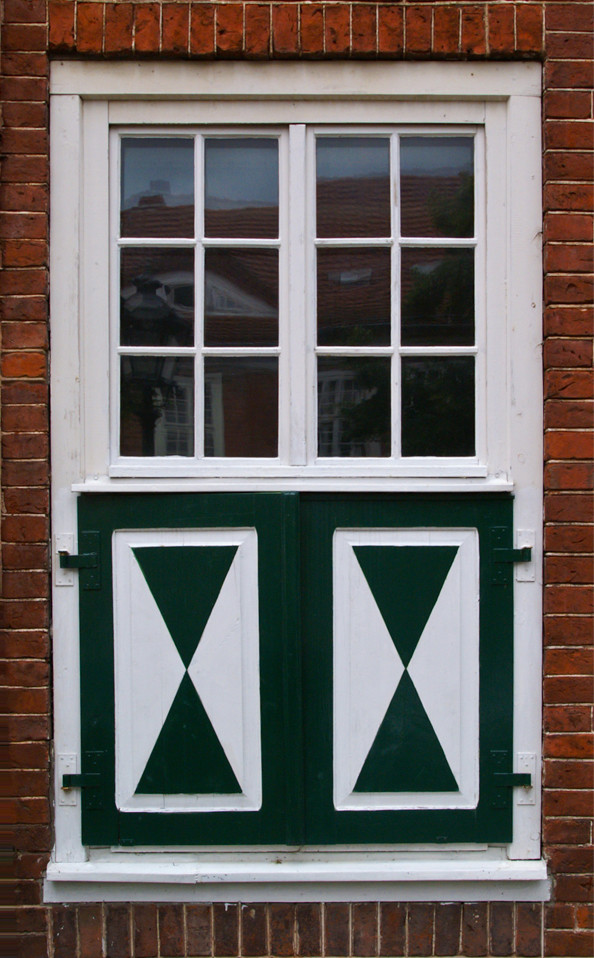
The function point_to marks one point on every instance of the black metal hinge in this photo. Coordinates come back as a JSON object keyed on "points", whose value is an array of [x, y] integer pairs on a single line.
{"points": [[87, 560], [93, 778], [500, 762], [502, 556]]}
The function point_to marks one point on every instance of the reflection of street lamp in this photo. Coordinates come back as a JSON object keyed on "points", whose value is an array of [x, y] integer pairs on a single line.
{"points": [[146, 319], [149, 384]]}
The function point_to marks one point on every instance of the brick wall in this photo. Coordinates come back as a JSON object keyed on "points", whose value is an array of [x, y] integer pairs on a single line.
{"points": [[562, 34]]}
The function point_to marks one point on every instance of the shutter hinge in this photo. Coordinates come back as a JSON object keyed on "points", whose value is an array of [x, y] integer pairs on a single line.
{"points": [[87, 560], [500, 763], [502, 556], [93, 778]]}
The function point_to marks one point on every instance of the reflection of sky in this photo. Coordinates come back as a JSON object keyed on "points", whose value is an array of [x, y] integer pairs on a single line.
{"points": [[241, 172], [146, 160], [352, 156], [435, 155]]}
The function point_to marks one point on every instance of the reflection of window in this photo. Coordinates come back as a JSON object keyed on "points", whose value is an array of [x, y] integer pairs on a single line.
{"points": [[210, 260]]}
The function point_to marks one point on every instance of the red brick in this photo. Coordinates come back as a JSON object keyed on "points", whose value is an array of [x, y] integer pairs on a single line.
{"points": [[576, 774], [35, 728], [446, 30], [574, 943], [90, 926], [22, 308], [569, 46], [171, 930], [569, 445], [229, 28], [25, 811], [285, 29], [565, 104], [568, 718], [585, 916], [202, 29], [147, 27], [16, 36], [418, 30], [420, 928], [22, 784], [118, 27], [28, 673], [24, 585], [501, 29], [569, 166], [570, 384], [64, 931], [24, 11], [573, 599], [23, 226], [25, 199], [25, 169], [575, 227], [23, 114], [364, 928], [363, 29], [282, 929], [29, 365], [529, 27], [337, 29], [309, 928], [61, 26], [473, 31], [577, 745], [390, 30], [529, 929], [570, 16], [569, 289], [574, 888], [312, 29], [31, 88], [569, 258], [25, 472], [501, 928], [474, 929], [28, 755], [144, 923], [571, 860], [175, 28], [257, 29], [568, 74], [31, 919], [25, 253], [117, 931], [336, 928], [25, 141], [572, 538], [569, 134], [89, 27], [568, 569], [392, 931], [447, 928], [199, 929], [26, 336], [559, 916], [253, 930], [23, 644], [568, 352], [226, 929]]}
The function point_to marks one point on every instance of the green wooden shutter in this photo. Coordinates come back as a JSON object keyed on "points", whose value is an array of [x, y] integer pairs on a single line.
{"points": [[286, 669]]}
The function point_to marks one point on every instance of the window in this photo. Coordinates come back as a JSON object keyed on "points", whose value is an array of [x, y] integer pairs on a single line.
{"points": [[297, 345]]}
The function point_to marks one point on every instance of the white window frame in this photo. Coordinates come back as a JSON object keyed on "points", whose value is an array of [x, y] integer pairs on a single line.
{"points": [[502, 99]]}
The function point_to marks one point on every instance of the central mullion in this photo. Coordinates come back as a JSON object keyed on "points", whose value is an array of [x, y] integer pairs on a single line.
{"points": [[199, 296]]}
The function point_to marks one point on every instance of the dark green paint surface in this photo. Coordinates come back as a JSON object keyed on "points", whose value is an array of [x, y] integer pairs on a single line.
{"points": [[295, 535], [405, 582], [185, 582], [406, 755], [188, 757]]}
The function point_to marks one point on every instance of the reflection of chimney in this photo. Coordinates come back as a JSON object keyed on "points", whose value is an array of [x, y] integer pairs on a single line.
{"points": [[160, 186]]}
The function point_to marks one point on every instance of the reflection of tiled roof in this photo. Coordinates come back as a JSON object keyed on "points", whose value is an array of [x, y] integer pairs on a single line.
{"points": [[417, 195], [260, 222]]}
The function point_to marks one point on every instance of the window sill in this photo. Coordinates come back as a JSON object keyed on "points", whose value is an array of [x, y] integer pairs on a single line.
{"points": [[433, 880]]}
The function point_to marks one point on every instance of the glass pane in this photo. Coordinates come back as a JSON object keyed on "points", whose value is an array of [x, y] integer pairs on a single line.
{"points": [[437, 297], [241, 406], [241, 297], [157, 186], [436, 186], [353, 406], [157, 297], [353, 290], [353, 186], [438, 406], [157, 406], [241, 187]]}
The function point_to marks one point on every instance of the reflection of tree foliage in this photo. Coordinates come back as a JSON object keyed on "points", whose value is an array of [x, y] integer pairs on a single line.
{"points": [[438, 407], [368, 419], [453, 214]]}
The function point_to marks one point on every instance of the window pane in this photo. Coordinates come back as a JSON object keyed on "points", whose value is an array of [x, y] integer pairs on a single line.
{"points": [[438, 406], [241, 187], [241, 406], [436, 186], [353, 291], [157, 186], [241, 297], [353, 186], [353, 406], [437, 297], [157, 406], [157, 297]]}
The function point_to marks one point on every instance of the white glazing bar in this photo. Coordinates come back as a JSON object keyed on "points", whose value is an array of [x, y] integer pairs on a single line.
{"points": [[175, 241], [431, 241], [346, 242], [480, 301], [240, 243], [310, 305], [241, 351], [199, 191], [296, 326], [395, 297], [353, 350], [438, 350]]}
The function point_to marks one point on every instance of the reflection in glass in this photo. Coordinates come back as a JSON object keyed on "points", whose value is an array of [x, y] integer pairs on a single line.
{"points": [[157, 406], [437, 186], [353, 294], [353, 406], [241, 187], [241, 406], [156, 297], [353, 186], [241, 297], [157, 186], [438, 406], [437, 297]]}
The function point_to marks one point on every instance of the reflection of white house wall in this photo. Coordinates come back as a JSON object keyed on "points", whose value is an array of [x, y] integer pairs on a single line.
{"points": [[337, 390], [444, 667], [224, 670]]}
